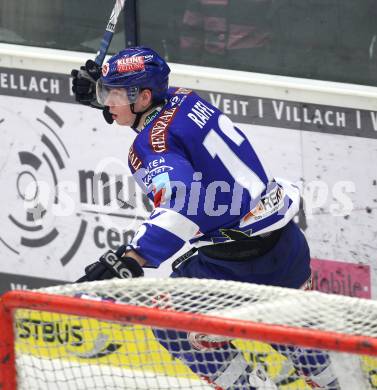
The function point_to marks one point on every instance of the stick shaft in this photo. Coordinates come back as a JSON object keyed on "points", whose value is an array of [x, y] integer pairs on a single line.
{"points": [[108, 35]]}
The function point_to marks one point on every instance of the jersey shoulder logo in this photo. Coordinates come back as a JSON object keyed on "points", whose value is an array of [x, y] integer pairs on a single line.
{"points": [[182, 91]]}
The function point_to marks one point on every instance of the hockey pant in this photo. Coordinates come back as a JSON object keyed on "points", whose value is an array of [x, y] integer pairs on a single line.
{"points": [[223, 366], [226, 368]]}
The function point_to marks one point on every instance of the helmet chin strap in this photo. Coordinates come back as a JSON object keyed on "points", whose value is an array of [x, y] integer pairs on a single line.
{"points": [[138, 116]]}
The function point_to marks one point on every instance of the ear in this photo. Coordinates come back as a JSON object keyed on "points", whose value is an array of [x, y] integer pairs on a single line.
{"points": [[146, 98]]}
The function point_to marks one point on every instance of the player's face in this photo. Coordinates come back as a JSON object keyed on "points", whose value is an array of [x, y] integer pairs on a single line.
{"points": [[118, 100], [122, 114]]}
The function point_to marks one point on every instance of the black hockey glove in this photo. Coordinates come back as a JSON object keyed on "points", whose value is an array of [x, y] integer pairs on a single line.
{"points": [[84, 83], [110, 266], [84, 87]]}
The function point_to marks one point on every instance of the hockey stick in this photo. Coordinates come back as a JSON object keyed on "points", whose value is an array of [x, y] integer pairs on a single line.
{"points": [[108, 35]]}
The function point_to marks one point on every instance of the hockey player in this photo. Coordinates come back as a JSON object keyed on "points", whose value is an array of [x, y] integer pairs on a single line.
{"points": [[209, 189]]}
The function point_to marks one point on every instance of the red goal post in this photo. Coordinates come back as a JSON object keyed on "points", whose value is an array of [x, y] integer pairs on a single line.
{"points": [[258, 315]]}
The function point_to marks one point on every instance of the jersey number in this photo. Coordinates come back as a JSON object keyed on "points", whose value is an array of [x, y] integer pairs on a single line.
{"points": [[241, 173]]}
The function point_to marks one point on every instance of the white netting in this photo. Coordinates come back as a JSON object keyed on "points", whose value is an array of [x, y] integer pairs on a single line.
{"points": [[63, 351], [265, 304]]}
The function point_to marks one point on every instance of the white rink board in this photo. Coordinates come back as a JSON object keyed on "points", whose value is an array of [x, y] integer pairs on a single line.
{"points": [[60, 375], [325, 158], [44, 374]]}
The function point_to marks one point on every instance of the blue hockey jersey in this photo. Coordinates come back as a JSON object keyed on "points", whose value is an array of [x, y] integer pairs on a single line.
{"points": [[205, 180]]}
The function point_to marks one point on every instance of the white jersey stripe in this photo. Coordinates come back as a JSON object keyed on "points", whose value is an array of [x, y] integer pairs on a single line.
{"points": [[174, 223]]}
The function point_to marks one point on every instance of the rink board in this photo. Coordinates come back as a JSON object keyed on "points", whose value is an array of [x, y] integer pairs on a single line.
{"points": [[320, 135], [107, 377], [317, 134]]}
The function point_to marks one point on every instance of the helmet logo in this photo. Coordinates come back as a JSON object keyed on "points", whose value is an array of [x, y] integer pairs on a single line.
{"points": [[130, 64], [105, 69]]}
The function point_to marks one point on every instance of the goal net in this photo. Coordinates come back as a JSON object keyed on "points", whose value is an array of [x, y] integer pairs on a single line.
{"points": [[185, 334]]}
